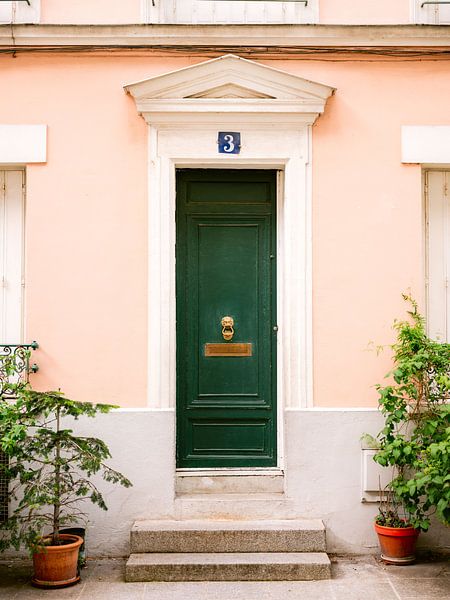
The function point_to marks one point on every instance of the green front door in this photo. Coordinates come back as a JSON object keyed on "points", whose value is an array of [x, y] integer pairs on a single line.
{"points": [[226, 318]]}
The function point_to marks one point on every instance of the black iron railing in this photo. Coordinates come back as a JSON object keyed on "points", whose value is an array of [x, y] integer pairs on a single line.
{"points": [[15, 366], [15, 369]]}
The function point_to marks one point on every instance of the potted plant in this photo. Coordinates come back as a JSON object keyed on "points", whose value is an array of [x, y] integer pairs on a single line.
{"points": [[50, 471], [396, 535], [415, 439]]}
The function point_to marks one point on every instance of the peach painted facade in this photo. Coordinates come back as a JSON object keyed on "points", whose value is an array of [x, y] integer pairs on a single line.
{"points": [[91, 11], [86, 292], [365, 12]]}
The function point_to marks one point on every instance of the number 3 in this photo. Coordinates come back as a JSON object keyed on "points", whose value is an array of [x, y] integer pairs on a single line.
{"points": [[229, 146]]}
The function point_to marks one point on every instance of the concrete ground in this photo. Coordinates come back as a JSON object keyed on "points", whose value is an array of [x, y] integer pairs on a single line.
{"points": [[354, 578]]}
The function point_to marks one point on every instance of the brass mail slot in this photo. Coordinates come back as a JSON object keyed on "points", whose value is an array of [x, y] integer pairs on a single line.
{"points": [[228, 349]]}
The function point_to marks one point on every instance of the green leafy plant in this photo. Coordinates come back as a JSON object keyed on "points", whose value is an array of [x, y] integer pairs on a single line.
{"points": [[390, 512], [415, 438], [50, 468]]}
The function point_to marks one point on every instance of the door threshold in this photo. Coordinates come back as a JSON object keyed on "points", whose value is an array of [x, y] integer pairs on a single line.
{"points": [[230, 472]]}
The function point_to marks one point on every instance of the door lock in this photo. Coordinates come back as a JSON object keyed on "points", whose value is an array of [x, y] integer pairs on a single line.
{"points": [[227, 328]]}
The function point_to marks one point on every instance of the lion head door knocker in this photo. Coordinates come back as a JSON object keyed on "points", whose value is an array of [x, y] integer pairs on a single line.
{"points": [[227, 328]]}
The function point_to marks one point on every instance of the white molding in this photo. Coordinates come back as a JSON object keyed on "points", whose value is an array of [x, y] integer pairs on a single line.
{"points": [[229, 105], [426, 144], [231, 472], [230, 36], [276, 134], [23, 144]]}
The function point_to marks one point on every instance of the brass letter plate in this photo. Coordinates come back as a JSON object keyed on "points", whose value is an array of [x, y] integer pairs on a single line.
{"points": [[228, 349]]}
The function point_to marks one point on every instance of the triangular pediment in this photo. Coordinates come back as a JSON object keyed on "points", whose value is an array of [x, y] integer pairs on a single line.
{"points": [[230, 78]]}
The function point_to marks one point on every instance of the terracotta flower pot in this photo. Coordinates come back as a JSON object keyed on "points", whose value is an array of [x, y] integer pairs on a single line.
{"points": [[56, 566], [398, 544]]}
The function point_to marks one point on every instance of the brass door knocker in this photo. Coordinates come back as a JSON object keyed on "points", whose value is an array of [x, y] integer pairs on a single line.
{"points": [[227, 328]]}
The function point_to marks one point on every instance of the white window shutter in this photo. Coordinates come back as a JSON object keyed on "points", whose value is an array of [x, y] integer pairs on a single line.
{"points": [[5, 12], [229, 11], [11, 256], [28, 13], [444, 14], [20, 12], [425, 13], [438, 254]]}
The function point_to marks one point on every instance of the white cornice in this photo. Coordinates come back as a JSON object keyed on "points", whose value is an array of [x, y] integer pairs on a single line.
{"points": [[227, 36]]}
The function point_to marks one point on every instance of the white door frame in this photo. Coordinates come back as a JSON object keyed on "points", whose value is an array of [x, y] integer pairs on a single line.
{"points": [[185, 112]]}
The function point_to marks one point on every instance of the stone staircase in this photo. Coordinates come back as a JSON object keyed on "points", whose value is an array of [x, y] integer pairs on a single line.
{"points": [[207, 550]]}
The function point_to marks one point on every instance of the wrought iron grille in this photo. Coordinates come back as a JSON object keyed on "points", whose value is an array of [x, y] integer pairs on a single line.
{"points": [[15, 368]]}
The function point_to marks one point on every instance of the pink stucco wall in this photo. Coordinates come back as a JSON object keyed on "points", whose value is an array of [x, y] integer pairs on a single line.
{"points": [[86, 293], [369, 12], [90, 11]]}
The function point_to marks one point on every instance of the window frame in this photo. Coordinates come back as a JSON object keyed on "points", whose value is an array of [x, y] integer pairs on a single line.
{"points": [[437, 225], [12, 319]]}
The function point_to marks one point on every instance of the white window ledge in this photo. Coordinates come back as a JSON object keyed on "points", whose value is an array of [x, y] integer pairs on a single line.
{"points": [[426, 144], [23, 144]]}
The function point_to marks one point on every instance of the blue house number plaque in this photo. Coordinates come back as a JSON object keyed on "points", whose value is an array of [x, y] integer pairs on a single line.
{"points": [[229, 142]]}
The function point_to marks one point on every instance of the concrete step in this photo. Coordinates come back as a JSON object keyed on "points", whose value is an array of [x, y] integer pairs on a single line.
{"points": [[260, 566], [295, 535], [233, 506], [189, 483]]}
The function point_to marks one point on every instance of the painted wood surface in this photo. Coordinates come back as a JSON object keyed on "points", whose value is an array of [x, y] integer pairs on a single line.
{"points": [[11, 255], [438, 255], [226, 408], [225, 11], [20, 12], [432, 14]]}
